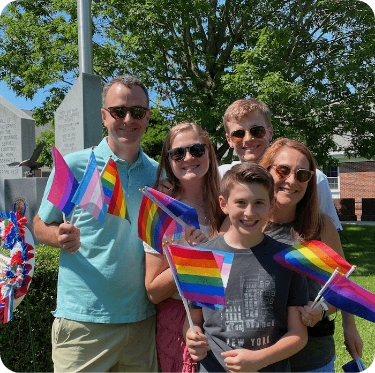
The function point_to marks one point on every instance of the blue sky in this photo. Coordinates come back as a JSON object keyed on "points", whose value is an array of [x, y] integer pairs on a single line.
{"points": [[21, 102]]}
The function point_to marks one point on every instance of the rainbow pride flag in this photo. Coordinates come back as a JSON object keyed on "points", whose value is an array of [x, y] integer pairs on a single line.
{"points": [[350, 297], [113, 191], [162, 216], [64, 184], [89, 194], [198, 274], [314, 259], [224, 260]]}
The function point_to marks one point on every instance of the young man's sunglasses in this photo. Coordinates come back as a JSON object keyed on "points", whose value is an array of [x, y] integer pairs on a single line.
{"points": [[256, 131], [302, 175], [119, 112], [196, 150]]}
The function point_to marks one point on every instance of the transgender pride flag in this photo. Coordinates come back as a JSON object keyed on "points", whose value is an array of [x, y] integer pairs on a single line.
{"points": [[64, 184], [89, 194]]}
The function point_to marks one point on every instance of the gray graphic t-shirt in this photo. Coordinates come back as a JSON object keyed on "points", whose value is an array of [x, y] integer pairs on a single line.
{"points": [[258, 292]]}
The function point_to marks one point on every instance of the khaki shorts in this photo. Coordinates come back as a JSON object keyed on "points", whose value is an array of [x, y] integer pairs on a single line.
{"points": [[92, 347]]}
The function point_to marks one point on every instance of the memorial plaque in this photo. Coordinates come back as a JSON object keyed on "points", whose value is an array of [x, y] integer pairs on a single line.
{"points": [[17, 142], [78, 121]]}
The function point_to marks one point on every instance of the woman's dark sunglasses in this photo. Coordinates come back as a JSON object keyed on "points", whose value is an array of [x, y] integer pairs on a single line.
{"points": [[196, 150], [119, 112], [257, 131], [302, 175]]}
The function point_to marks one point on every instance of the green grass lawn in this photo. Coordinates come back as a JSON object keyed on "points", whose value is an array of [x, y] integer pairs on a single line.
{"points": [[358, 244]]}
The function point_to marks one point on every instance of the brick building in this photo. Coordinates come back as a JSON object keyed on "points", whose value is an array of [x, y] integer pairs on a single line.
{"points": [[353, 178]]}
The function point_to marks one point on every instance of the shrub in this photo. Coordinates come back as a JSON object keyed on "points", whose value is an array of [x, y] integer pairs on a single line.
{"points": [[16, 350]]}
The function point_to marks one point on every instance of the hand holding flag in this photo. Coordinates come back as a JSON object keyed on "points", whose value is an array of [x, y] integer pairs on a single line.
{"points": [[318, 261]]}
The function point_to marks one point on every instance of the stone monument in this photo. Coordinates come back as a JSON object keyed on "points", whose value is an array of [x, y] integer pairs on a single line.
{"points": [[17, 142], [78, 118], [78, 121]]}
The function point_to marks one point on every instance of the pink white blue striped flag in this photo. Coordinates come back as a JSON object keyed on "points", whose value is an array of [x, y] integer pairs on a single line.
{"points": [[89, 194], [64, 184]]}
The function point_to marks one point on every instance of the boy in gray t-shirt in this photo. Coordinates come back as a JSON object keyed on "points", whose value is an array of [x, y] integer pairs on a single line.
{"points": [[260, 325]]}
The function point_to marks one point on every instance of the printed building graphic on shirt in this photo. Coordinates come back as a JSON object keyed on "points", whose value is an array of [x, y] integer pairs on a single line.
{"points": [[252, 310]]}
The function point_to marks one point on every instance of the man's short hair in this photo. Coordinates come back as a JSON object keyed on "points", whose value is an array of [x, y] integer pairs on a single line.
{"points": [[128, 81], [246, 173], [243, 108]]}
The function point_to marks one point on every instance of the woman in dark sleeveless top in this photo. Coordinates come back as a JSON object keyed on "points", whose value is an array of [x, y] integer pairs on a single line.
{"points": [[297, 218]]}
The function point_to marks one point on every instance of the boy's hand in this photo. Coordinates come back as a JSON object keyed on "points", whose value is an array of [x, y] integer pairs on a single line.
{"points": [[69, 237], [242, 360], [197, 345], [194, 236]]}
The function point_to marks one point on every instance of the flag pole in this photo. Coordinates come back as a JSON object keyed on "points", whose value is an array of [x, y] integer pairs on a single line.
{"points": [[166, 252], [79, 217], [351, 270], [319, 299], [165, 209], [101, 173], [74, 210]]}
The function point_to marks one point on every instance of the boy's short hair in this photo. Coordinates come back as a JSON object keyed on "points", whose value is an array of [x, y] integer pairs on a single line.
{"points": [[247, 173], [243, 108]]}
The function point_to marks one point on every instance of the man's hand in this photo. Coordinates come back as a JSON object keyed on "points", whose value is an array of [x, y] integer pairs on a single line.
{"points": [[69, 237]]}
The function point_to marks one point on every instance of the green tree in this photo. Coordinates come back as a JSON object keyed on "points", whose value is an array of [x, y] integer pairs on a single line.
{"points": [[311, 61], [46, 156], [153, 139]]}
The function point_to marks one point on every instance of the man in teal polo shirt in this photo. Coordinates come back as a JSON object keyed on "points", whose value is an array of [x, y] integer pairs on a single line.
{"points": [[103, 319]]}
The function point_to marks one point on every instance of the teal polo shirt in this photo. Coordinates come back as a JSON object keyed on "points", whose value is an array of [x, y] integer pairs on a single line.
{"points": [[103, 281]]}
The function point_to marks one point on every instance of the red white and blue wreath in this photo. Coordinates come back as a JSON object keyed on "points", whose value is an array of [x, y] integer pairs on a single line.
{"points": [[17, 260]]}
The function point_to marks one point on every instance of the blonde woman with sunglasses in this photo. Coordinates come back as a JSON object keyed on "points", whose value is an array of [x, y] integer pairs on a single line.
{"points": [[296, 218], [188, 166]]}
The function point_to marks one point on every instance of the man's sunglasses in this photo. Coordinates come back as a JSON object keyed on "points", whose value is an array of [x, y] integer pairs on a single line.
{"points": [[302, 175], [119, 112], [178, 154], [256, 131]]}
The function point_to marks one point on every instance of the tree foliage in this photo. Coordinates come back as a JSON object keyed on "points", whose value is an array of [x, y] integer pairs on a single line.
{"points": [[153, 139], [46, 156], [312, 62]]}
